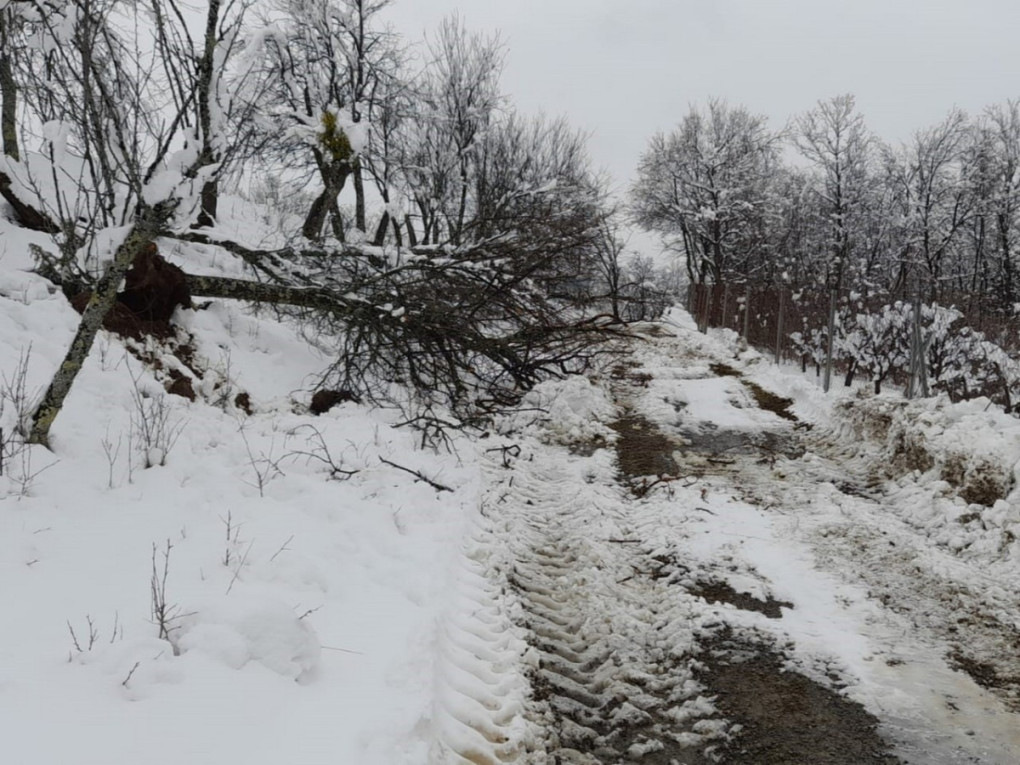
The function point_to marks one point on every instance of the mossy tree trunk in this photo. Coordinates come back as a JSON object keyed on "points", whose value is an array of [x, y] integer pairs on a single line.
{"points": [[204, 93], [8, 88]]}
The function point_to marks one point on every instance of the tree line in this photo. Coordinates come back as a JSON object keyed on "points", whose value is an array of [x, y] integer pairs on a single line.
{"points": [[882, 260], [824, 204]]}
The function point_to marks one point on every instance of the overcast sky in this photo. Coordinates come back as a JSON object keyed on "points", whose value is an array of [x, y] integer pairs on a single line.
{"points": [[625, 69]]}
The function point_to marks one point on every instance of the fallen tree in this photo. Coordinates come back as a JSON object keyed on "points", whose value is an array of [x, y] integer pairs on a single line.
{"points": [[468, 329], [491, 301]]}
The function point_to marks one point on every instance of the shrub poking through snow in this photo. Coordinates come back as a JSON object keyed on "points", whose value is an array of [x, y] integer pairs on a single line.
{"points": [[155, 429]]}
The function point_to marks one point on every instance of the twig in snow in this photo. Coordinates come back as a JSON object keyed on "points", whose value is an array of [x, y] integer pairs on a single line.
{"points": [[93, 635], [126, 679], [642, 489], [319, 451], [309, 612], [283, 548], [240, 565], [507, 453], [417, 474], [342, 650]]}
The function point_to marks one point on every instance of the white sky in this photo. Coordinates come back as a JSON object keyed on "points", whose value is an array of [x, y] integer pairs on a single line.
{"points": [[625, 69]]}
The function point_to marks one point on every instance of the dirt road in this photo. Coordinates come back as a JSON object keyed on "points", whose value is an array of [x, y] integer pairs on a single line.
{"points": [[701, 575]]}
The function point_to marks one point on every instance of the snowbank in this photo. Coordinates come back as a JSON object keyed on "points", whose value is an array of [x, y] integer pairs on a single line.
{"points": [[302, 612], [972, 446]]}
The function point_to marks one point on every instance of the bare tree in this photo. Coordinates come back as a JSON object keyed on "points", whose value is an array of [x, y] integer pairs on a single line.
{"points": [[706, 184], [458, 98], [116, 176], [834, 138], [610, 247], [328, 66], [135, 135], [1001, 200], [933, 198], [192, 62]]}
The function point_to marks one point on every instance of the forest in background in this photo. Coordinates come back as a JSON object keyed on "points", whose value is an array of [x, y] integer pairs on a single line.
{"points": [[887, 262]]}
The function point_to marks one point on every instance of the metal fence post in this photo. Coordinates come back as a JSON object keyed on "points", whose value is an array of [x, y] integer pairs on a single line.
{"points": [[827, 379], [779, 326], [747, 312]]}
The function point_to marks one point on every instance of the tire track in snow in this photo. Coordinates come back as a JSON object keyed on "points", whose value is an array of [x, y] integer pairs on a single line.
{"points": [[600, 586], [480, 690], [925, 602], [613, 640]]}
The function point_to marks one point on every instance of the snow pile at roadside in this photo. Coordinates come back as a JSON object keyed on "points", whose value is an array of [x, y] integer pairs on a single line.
{"points": [[972, 445], [568, 411], [952, 469], [297, 580]]}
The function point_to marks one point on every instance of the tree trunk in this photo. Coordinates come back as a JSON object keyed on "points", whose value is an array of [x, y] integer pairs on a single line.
{"points": [[8, 92], [28, 216], [380, 230], [359, 198], [210, 201], [829, 342], [336, 220], [103, 297], [265, 292], [409, 225], [334, 178], [210, 190]]}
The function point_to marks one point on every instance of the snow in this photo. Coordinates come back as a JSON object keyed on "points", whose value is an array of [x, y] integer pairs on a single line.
{"points": [[367, 620], [304, 615], [828, 553]]}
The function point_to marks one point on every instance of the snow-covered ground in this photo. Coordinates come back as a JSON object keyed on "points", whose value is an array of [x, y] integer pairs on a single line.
{"points": [[325, 606], [304, 611], [892, 574]]}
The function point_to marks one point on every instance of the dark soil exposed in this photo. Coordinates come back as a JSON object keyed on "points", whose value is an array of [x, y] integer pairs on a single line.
{"points": [[767, 400], [642, 449], [770, 402], [724, 370], [787, 718], [721, 592]]}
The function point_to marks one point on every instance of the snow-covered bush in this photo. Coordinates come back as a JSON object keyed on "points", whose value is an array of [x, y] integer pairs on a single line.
{"points": [[878, 343], [960, 361], [811, 346]]}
